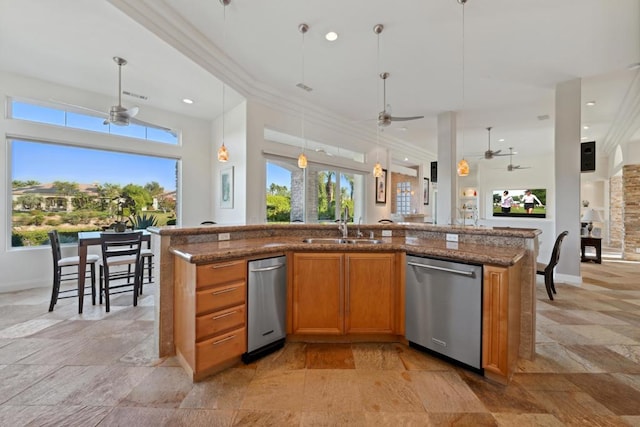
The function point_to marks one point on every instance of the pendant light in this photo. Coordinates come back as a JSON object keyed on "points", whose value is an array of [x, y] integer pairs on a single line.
{"points": [[302, 159], [223, 154], [377, 168], [463, 165]]}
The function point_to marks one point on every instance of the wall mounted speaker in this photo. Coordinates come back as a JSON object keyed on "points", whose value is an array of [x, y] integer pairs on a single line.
{"points": [[434, 171], [588, 156]]}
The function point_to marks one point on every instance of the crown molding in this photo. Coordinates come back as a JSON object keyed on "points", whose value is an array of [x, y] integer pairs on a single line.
{"points": [[170, 27], [627, 120]]}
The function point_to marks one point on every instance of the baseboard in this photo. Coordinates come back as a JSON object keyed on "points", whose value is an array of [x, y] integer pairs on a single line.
{"points": [[569, 279]]}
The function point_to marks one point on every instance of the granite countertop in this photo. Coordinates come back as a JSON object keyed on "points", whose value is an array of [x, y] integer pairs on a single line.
{"points": [[201, 253]]}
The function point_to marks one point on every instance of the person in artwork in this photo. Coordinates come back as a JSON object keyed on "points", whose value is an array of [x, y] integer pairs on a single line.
{"points": [[530, 200], [506, 202]]}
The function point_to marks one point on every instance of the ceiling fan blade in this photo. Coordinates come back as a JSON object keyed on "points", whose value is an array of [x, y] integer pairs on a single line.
{"points": [[404, 119], [131, 112], [151, 125]]}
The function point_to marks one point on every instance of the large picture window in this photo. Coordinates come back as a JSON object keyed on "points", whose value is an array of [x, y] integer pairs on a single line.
{"points": [[76, 189]]}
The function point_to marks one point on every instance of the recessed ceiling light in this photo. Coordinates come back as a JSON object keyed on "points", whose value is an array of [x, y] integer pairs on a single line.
{"points": [[401, 129], [501, 140], [583, 138], [590, 103], [331, 36], [187, 101], [585, 127], [406, 159]]}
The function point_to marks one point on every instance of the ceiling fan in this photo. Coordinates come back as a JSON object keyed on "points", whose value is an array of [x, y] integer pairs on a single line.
{"points": [[490, 154], [384, 117], [511, 167], [119, 115]]}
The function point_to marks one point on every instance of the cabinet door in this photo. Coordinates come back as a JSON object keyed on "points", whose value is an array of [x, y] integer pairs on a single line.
{"points": [[318, 303], [500, 321], [370, 293]]}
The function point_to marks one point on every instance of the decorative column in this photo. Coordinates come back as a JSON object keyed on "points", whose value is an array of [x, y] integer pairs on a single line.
{"points": [[447, 177]]}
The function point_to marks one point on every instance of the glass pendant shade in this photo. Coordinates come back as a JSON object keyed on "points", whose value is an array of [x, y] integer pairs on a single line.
{"points": [[463, 168], [302, 161], [377, 170], [223, 154]]}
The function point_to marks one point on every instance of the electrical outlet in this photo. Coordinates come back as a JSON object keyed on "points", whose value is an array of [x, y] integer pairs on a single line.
{"points": [[387, 233], [452, 237], [224, 236], [638, 250]]}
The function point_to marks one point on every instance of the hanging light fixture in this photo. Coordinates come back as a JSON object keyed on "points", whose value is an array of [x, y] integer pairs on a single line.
{"points": [[377, 168], [302, 159], [463, 165], [223, 154]]}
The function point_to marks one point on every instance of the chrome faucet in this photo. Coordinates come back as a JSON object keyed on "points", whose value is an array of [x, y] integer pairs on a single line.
{"points": [[359, 233], [343, 223]]}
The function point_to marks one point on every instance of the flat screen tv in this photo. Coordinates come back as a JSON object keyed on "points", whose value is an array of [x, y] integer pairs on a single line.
{"points": [[520, 203]]}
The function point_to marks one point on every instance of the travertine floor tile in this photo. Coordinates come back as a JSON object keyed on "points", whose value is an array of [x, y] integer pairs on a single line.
{"points": [[225, 390], [276, 390], [377, 356], [292, 356], [329, 356], [163, 388], [136, 416], [388, 391], [266, 418], [333, 390], [445, 392]]}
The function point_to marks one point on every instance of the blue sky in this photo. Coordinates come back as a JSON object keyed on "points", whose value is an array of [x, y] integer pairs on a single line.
{"points": [[50, 162], [278, 175]]}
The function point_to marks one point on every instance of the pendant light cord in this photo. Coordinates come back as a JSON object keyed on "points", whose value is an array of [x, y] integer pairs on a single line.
{"points": [[378, 98], [463, 82], [224, 46], [304, 141]]}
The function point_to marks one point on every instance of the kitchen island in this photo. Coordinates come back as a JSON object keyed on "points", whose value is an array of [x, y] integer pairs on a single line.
{"points": [[508, 255]]}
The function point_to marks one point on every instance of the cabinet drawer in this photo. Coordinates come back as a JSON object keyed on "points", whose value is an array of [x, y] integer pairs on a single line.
{"points": [[219, 349], [214, 323], [220, 297], [221, 272]]}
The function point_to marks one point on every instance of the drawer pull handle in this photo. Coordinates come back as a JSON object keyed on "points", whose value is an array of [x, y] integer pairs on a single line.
{"points": [[224, 291], [223, 340], [229, 264], [220, 316]]}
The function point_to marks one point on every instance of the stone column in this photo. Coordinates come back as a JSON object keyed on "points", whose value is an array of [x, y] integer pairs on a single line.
{"points": [[297, 195], [616, 224], [631, 212]]}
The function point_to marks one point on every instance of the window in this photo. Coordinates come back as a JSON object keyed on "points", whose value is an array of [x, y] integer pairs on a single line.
{"points": [[403, 198], [58, 115], [76, 189], [285, 188], [337, 190]]}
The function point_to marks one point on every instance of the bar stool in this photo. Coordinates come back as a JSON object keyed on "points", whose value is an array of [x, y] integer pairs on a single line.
{"points": [[60, 263], [120, 250]]}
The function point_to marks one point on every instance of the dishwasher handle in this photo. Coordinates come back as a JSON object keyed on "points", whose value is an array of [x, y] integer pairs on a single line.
{"points": [[444, 269], [270, 268]]}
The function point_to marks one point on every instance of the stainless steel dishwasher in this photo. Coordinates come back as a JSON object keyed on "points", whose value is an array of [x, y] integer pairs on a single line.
{"points": [[444, 308], [267, 302]]}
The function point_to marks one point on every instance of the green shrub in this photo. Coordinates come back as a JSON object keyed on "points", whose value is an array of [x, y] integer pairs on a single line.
{"points": [[141, 222]]}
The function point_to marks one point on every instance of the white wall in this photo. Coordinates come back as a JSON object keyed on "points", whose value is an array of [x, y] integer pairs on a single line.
{"points": [[261, 116], [31, 267], [235, 139], [493, 175]]}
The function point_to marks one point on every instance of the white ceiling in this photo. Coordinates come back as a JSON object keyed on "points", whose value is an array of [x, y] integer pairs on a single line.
{"points": [[515, 54]]}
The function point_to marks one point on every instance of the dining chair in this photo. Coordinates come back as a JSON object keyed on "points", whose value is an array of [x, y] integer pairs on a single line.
{"points": [[61, 273], [546, 270], [120, 250]]}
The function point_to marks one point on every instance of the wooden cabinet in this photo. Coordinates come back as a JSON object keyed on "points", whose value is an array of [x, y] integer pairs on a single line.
{"points": [[209, 314], [338, 293], [370, 293], [318, 293], [500, 321]]}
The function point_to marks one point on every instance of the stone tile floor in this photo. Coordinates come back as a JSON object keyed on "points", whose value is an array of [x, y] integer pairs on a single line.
{"points": [[65, 369]]}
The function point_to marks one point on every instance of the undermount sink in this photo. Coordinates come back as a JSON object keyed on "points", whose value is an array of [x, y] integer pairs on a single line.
{"points": [[325, 240], [364, 241], [332, 241]]}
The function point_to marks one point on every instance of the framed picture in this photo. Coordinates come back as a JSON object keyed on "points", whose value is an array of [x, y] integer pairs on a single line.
{"points": [[425, 191], [226, 188], [381, 188]]}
